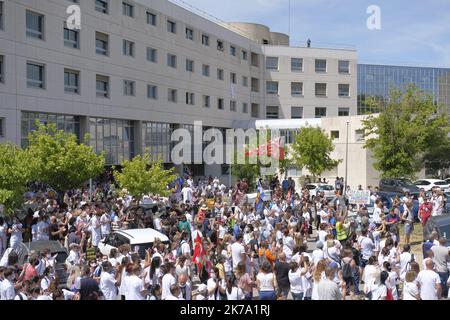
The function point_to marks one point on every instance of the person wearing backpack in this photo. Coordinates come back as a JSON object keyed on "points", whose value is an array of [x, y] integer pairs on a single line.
{"points": [[348, 265]]}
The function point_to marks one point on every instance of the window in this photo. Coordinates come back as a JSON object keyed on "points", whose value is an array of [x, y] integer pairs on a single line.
{"points": [[272, 112], [2, 125], [101, 43], [128, 48], [205, 70], [359, 135], [255, 84], [255, 110], [296, 112], [272, 63], [265, 41], [205, 40], [233, 51], [35, 75], [233, 106], [233, 77], [35, 25], [343, 112], [189, 34], [190, 98], [71, 38], [321, 112], [128, 88], [296, 88], [220, 45], [220, 102], [151, 18], [272, 87], [152, 55], [344, 90], [296, 64], [101, 6], [1, 16], [171, 60], [2, 69], [244, 55], [71, 81], [172, 95], [127, 9], [255, 59], [321, 65], [102, 86], [171, 26], [245, 81], [245, 107], [321, 89], [220, 74], [152, 92], [344, 66], [334, 134], [189, 65], [206, 101]]}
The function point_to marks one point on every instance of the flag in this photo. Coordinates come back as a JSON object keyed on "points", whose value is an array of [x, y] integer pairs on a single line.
{"points": [[199, 253], [259, 203]]}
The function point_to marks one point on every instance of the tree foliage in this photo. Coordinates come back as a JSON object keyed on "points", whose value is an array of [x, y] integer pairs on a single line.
{"points": [[405, 132], [311, 150], [141, 177], [63, 163], [17, 168]]}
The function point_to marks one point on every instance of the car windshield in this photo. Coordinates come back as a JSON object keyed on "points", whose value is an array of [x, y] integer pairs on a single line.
{"points": [[441, 183], [445, 230], [327, 188]]}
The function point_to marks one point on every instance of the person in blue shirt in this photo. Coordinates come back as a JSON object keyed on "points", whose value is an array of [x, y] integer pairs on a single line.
{"points": [[285, 185]]}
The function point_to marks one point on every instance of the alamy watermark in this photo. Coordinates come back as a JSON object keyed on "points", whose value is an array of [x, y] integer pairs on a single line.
{"points": [[73, 21], [239, 146], [374, 20]]}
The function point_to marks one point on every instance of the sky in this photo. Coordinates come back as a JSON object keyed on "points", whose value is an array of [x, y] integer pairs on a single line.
{"points": [[413, 32]]}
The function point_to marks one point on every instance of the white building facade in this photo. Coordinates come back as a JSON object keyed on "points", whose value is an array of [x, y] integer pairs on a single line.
{"points": [[137, 70]]}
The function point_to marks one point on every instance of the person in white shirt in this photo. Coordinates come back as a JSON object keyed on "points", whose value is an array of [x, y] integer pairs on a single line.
{"points": [[7, 291], [96, 233], [317, 254], [3, 236], [168, 280], [410, 288], [16, 231], [108, 283], [377, 211], [135, 285], [187, 194], [174, 293], [233, 291], [405, 261], [216, 286], [429, 282], [42, 229], [237, 251], [296, 281], [105, 222]]}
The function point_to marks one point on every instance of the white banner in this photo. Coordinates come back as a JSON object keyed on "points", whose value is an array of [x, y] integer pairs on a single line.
{"points": [[359, 197]]}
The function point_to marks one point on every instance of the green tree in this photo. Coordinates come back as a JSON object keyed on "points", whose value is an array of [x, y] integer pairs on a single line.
{"points": [[16, 170], [311, 150], [140, 176], [405, 132], [63, 163]]}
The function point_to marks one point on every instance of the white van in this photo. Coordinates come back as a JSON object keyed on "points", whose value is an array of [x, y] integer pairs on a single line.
{"points": [[138, 239]]}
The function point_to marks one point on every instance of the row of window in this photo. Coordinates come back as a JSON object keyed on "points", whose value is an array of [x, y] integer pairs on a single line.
{"points": [[321, 65], [273, 112], [272, 87], [35, 28]]}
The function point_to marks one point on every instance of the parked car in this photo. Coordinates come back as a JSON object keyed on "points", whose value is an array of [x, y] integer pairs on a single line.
{"points": [[388, 200], [440, 224], [57, 250], [327, 190], [138, 239], [428, 184], [398, 185]]}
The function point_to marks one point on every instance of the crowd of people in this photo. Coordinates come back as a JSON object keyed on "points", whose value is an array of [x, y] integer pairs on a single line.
{"points": [[223, 245]]}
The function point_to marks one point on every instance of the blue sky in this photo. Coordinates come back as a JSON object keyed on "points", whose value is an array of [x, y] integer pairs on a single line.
{"points": [[412, 32]]}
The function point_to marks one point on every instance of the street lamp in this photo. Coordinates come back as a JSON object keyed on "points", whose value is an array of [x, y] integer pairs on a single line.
{"points": [[346, 160]]}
